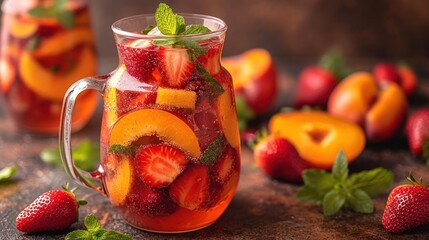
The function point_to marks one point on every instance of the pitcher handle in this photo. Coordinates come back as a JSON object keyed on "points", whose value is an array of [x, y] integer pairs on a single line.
{"points": [[78, 175]]}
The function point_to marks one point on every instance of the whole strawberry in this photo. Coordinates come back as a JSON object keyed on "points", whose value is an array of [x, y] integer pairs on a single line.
{"points": [[407, 207], [278, 158], [386, 73], [52, 211], [417, 129]]}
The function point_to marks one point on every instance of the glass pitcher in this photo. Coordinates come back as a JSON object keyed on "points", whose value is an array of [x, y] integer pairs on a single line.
{"points": [[46, 46], [170, 146]]}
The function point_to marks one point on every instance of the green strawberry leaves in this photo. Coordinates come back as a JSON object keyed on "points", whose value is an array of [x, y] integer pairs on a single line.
{"points": [[95, 232], [337, 189], [333, 61]]}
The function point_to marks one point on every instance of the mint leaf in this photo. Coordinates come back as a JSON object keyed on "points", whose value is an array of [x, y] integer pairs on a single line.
{"points": [[113, 235], [359, 201], [213, 151], [66, 18], [92, 223], [148, 29], [168, 22], [320, 180], [193, 47], [215, 88], [334, 62], [336, 189], [195, 29], [373, 181], [119, 149], [333, 201], [33, 43], [7, 173], [86, 156], [42, 12], [340, 169], [181, 24], [309, 194], [79, 235]]}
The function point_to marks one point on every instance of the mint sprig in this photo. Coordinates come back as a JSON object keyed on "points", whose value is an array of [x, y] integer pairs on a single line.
{"points": [[213, 151], [95, 232], [7, 173], [119, 149], [57, 10], [337, 190], [86, 155]]}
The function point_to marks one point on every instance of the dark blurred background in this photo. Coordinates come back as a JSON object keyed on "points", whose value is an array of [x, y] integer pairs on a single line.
{"points": [[295, 30]]}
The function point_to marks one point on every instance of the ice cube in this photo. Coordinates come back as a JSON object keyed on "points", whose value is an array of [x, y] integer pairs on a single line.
{"points": [[155, 32]]}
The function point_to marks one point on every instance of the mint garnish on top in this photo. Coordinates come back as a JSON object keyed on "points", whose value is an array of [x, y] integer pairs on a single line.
{"points": [[337, 189], [57, 10]]}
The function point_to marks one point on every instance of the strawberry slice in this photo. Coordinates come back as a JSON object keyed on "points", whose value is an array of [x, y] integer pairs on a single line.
{"points": [[159, 165], [175, 66], [191, 189], [139, 59], [223, 168]]}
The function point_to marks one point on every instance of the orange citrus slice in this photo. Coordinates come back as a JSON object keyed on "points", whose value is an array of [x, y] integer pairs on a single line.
{"points": [[22, 28], [228, 119], [110, 96], [176, 98], [155, 122], [119, 184], [64, 41], [50, 85]]}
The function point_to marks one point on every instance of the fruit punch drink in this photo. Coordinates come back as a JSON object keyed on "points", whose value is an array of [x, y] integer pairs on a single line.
{"points": [[47, 45], [170, 146]]}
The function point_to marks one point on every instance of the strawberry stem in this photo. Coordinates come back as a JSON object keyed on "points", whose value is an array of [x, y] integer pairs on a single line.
{"points": [[413, 181]]}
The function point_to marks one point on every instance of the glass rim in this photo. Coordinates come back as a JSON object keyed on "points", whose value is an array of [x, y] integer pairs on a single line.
{"points": [[117, 30]]}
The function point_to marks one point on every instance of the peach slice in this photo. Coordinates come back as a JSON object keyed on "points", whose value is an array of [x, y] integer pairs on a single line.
{"points": [[118, 182], [54, 86], [22, 28], [110, 96], [255, 78], [64, 41], [228, 118], [154, 122], [176, 98], [318, 136], [7, 73]]}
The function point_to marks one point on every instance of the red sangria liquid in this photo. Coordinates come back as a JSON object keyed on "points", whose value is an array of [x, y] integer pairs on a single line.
{"points": [[170, 147], [47, 45]]}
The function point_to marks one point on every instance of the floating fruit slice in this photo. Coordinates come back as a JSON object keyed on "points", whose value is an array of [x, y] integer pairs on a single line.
{"points": [[54, 86], [228, 119], [111, 98], [175, 66], [7, 73], [118, 183], [22, 28], [159, 165], [176, 98], [153, 122], [223, 168], [64, 41], [191, 189]]}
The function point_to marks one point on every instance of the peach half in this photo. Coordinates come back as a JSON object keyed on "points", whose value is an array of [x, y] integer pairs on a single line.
{"points": [[228, 118], [255, 78], [50, 85], [318, 136], [118, 183], [379, 111], [154, 122]]}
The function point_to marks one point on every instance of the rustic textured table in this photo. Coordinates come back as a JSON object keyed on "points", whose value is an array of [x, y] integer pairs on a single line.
{"points": [[261, 209]]}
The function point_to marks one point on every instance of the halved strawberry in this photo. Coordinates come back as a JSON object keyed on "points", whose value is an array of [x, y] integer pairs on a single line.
{"points": [[143, 99], [175, 66], [139, 59], [222, 169], [191, 189], [159, 165]]}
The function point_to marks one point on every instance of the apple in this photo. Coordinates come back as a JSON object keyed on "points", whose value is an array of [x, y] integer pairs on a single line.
{"points": [[254, 77], [380, 111]]}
